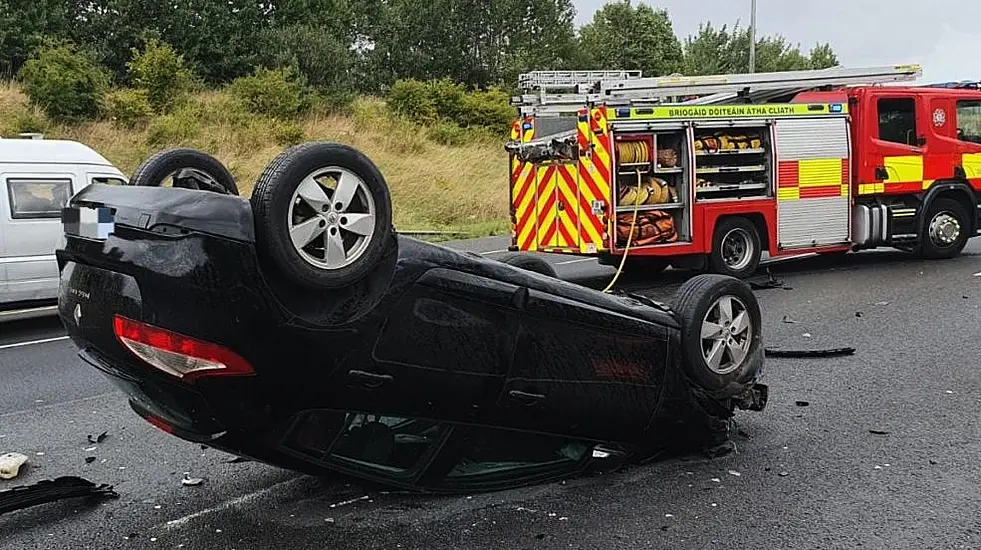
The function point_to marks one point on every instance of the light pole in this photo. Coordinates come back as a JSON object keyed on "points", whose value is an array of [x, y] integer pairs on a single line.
{"points": [[752, 37]]}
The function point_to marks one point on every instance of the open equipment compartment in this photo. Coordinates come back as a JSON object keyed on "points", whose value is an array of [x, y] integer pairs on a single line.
{"points": [[653, 169], [733, 160]]}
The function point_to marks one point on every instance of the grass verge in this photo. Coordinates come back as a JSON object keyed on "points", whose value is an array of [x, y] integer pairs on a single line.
{"points": [[442, 179]]}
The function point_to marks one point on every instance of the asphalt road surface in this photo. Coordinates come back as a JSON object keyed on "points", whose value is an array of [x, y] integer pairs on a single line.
{"points": [[811, 476]]}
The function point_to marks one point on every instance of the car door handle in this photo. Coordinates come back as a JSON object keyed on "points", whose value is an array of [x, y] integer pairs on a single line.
{"points": [[527, 399], [369, 379]]}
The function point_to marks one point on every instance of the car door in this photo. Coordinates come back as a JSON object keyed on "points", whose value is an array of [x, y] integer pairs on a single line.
{"points": [[32, 230], [583, 371], [898, 145], [442, 351]]}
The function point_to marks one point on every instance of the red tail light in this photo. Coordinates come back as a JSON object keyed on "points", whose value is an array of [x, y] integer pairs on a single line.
{"points": [[176, 354]]}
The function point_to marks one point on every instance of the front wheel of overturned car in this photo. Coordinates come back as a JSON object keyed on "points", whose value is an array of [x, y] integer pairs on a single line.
{"points": [[720, 330], [530, 263], [323, 214], [185, 168]]}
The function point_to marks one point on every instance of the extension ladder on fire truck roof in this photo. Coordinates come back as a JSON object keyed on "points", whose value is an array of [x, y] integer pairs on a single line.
{"points": [[712, 88], [563, 80], [669, 86]]}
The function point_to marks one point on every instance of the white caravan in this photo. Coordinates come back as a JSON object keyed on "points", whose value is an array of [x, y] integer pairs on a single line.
{"points": [[37, 177]]}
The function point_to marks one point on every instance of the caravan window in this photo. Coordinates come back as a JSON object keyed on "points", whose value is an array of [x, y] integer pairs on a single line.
{"points": [[32, 198]]}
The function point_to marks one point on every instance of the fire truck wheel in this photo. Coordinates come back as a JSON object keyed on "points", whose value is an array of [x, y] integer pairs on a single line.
{"points": [[530, 263], [736, 248], [945, 229], [720, 332], [186, 168], [323, 215]]}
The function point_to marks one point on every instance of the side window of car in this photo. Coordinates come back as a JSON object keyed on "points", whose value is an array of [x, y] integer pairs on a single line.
{"points": [[37, 198], [108, 180], [897, 120], [969, 120]]}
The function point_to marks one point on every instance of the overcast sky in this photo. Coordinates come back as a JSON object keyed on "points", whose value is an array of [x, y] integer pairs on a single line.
{"points": [[942, 35]]}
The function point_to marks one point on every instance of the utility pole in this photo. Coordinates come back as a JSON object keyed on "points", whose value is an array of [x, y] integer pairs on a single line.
{"points": [[752, 37]]}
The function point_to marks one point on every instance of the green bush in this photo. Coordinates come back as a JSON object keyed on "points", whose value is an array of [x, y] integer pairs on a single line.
{"points": [[128, 107], [491, 109], [66, 83], [427, 102], [411, 98], [288, 134], [279, 93], [442, 101], [162, 72], [23, 119], [175, 129]]}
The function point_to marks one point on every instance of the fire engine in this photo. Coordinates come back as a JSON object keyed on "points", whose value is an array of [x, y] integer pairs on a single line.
{"points": [[710, 172]]}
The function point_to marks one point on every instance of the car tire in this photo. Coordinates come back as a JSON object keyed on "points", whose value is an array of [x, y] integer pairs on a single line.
{"points": [[722, 348], [531, 263], [736, 248], [189, 169], [290, 201], [944, 214]]}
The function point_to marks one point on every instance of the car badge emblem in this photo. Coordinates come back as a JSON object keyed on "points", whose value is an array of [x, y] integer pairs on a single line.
{"points": [[77, 314]]}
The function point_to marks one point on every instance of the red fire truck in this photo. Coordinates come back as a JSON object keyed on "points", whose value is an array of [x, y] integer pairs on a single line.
{"points": [[710, 172]]}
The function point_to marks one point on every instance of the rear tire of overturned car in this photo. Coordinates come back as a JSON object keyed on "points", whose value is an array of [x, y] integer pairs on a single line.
{"points": [[323, 214], [187, 169], [720, 331], [530, 263]]}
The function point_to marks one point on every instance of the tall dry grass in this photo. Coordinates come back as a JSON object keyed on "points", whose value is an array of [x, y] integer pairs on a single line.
{"points": [[460, 188]]}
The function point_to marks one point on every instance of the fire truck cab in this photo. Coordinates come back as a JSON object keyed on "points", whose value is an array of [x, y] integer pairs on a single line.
{"points": [[710, 172]]}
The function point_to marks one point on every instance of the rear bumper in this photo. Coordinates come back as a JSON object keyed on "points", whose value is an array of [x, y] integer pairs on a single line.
{"points": [[177, 408]]}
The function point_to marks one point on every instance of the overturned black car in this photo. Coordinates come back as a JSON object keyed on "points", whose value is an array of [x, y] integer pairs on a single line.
{"points": [[299, 329]]}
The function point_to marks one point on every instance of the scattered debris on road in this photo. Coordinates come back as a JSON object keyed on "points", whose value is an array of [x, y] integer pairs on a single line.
{"points": [[48, 490], [804, 354], [787, 319], [99, 438], [770, 283], [803, 403], [191, 481], [10, 465], [878, 432]]}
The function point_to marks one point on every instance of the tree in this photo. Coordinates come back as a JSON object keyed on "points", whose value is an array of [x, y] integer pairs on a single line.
{"points": [[477, 42], [624, 37], [718, 51]]}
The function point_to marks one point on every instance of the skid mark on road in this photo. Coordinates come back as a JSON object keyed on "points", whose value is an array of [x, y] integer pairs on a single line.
{"points": [[32, 342]]}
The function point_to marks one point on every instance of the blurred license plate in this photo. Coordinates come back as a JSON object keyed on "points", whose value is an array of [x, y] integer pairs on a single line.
{"points": [[89, 222]]}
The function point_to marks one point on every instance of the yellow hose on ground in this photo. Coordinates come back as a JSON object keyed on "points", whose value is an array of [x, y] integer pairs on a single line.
{"points": [[630, 235]]}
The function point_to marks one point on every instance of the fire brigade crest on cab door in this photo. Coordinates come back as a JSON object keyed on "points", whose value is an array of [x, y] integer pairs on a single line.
{"points": [[939, 118]]}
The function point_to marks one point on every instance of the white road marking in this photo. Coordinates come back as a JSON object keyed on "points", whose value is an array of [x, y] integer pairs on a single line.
{"points": [[33, 342], [580, 260], [492, 252], [235, 502]]}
